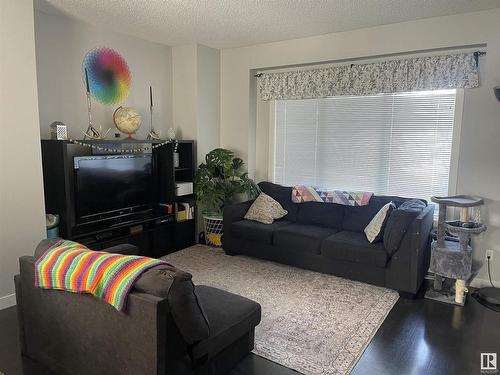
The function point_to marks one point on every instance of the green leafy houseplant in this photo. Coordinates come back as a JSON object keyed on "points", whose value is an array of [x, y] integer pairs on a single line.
{"points": [[219, 179]]}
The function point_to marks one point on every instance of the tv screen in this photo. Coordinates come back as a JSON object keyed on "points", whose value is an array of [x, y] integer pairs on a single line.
{"points": [[112, 185]]}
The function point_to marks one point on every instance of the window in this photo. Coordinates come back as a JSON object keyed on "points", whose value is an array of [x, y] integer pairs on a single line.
{"points": [[389, 144]]}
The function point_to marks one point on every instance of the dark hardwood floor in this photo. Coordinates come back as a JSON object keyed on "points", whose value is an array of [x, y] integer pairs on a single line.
{"points": [[418, 337]]}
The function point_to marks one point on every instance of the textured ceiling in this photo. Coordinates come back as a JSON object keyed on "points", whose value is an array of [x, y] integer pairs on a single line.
{"points": [[236, 23]]}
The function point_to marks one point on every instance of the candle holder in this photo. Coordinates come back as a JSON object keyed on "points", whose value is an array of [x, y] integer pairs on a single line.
{"points": [[153, 134], [91, 131]]}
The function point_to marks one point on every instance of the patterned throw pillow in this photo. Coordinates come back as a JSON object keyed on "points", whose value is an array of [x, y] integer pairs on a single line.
{"points": [[375, 229], [265, 210]]}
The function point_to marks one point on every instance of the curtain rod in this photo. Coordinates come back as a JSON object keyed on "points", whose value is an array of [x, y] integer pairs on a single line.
{"points": [[477, 54]]}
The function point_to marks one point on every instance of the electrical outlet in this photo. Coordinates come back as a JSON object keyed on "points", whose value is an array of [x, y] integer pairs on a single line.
{"points": [[489, 255]]}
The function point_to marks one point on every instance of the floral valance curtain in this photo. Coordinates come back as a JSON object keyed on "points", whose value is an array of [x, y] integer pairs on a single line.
{"points": [[414, 74]]}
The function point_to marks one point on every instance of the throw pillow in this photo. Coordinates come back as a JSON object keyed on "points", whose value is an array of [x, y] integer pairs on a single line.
{"points": [[283, 195], [375, 228], [265, 210], [166, 281]]}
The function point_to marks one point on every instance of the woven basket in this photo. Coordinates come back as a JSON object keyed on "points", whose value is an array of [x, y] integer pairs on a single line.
{"points": [[213, 230]]}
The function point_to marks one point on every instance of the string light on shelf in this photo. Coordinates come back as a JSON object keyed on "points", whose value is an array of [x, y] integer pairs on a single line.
{"points": [[120, 150]]}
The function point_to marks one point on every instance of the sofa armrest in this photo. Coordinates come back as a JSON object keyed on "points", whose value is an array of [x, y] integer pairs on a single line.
{"points": [[123, 249], [410, 262]]}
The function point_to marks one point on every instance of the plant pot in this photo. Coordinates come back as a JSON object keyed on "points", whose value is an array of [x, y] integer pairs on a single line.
{"points": [[213, 230]]}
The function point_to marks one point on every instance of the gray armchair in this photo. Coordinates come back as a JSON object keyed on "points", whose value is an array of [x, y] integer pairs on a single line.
{"points": [[68, 333]]}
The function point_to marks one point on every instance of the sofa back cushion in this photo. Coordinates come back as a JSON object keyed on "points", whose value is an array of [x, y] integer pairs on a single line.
{"points": [[324, 214], [356, 218], [282, 194]]}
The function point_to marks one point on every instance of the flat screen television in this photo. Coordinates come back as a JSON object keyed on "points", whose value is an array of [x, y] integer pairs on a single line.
{"points": [[108, 186]]}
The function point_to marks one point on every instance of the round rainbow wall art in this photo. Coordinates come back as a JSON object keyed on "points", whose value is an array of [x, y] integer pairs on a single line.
{"points": [[108, 75]]}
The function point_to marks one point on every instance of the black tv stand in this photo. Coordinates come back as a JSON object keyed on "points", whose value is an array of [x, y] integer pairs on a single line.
{"points": [[153, 235], [155, 231]]}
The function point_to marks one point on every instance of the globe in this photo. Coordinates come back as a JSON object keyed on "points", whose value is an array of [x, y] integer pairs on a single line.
{"points": [[127, 120]]}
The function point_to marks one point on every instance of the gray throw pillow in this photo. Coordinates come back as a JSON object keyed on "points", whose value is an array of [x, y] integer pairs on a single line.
{"points": [[399, 222], [265, 210]]}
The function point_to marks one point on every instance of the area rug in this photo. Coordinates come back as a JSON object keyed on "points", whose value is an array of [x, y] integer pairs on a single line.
{"points": [[313, 323]]}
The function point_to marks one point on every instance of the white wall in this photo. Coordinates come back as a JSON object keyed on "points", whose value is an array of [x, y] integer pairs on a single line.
{"points": [[22, 222], [208, 114], [479, 156], [196, 99], [196, 95], [61, 45], [185, 96]]}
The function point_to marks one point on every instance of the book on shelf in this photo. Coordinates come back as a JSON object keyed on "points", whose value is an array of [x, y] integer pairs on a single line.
{"points": [[185, 211]]}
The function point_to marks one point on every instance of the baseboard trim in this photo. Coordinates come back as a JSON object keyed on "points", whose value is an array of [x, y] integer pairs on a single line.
{"points": [[481, 283], [7, 301]]}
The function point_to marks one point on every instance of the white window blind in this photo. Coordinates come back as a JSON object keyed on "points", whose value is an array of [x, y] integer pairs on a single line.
{"points": [[389, 144]]}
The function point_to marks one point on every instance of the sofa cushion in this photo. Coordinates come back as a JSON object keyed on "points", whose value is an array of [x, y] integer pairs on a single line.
{"points": [[354, 247], [255, 231], [306, 238], [265, 210], [323, 214], [356, 218], [282, 194], [399, 222], [230, 316]]}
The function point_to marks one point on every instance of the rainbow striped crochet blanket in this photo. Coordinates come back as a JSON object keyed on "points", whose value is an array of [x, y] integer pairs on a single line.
{"points": [[301, 194], [72, 267]]}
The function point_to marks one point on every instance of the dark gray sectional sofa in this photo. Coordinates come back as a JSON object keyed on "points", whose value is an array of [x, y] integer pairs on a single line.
{"points": [[330, 238]]}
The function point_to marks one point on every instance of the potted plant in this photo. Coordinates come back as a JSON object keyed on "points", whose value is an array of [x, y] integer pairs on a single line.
{"points": [[217, 181]]}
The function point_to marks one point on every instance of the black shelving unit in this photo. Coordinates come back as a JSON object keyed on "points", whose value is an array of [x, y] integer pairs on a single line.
{"points": [[186, 229], [156, 235]]}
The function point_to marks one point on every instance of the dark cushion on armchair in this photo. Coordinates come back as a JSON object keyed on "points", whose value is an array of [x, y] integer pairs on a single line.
{"points": [[354, 247], [255, 231], [230, 317], [301, 237], [166, 281]]}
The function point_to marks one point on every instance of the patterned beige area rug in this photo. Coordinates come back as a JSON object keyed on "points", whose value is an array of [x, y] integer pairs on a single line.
{"points": [[313, 323]]}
